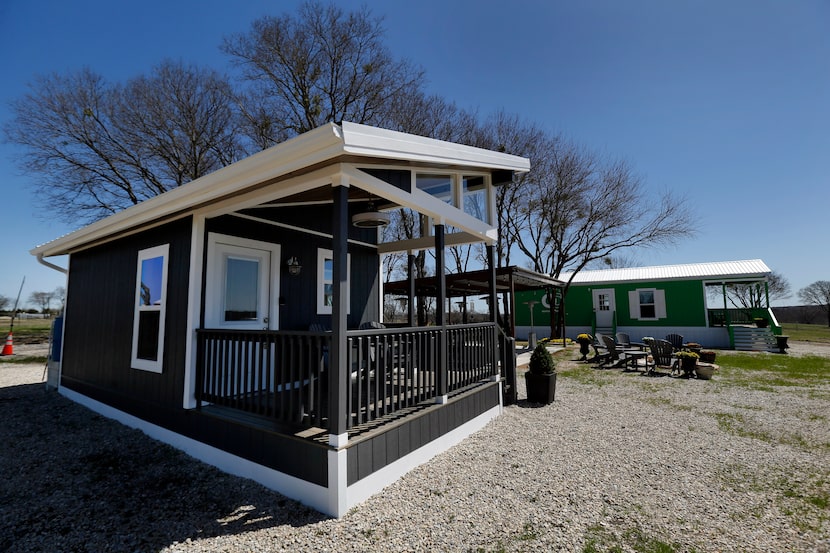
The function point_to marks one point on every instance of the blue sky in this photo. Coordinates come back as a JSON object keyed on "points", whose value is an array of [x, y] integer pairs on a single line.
{"points": [[725, 102]]}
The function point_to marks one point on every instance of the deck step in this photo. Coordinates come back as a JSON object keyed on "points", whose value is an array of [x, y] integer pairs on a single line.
{"points": [[749, 338]]}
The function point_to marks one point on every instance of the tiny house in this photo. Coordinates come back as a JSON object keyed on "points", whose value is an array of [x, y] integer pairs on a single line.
{"points": [[689, 299], [238, 317]]}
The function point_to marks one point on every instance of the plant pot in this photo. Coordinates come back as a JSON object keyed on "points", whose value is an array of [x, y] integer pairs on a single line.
{"points": [[707, 356], [761, 323], [704, 371], [688, 365], [781, 342], [583, 350], [541, 388]]}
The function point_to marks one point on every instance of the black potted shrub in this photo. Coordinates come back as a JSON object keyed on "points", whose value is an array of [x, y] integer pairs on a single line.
{"points": [[541, 376]]}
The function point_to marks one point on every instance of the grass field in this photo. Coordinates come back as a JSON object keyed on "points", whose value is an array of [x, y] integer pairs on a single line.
{"points": [[807, 333], [27, 331]]}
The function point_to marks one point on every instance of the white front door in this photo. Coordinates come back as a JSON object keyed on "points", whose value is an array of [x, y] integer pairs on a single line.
{"points": [[242, 284], [604, 307]]}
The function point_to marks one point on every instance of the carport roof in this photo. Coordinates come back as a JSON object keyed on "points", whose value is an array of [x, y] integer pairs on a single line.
{"points": [[752, 269], [475, 282]]}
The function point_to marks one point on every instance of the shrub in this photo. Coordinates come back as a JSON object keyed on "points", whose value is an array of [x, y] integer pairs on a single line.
{"points": [[541, 361]]}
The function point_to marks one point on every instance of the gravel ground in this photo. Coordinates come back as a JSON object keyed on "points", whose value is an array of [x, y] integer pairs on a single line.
{"points": [[619, 462]]}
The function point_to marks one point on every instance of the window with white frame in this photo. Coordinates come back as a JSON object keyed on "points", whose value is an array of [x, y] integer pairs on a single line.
{"points": [[647, 304], [474, 197], [440, 186], [325, 281], [150, 308]]}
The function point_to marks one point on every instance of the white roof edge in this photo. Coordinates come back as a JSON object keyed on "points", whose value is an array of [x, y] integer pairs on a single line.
{"points": [[375, 142], [316, 146], [749, 268]]}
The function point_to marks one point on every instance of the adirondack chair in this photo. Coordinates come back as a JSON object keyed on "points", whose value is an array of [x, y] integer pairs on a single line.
{"points": [[623, 340], [661, 353], [614, 359], [676, 341], [601, 353]]}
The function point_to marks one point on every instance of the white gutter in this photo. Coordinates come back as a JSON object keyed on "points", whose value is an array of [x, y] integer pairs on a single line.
{"points": [[50, 265]]}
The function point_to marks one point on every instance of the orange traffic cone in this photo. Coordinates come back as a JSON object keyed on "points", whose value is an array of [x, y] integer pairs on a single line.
{"points": [[8, 349]]}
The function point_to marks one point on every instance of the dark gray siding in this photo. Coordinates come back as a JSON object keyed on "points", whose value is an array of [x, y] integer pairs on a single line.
{"points": [[299, 293], [99, 320]]}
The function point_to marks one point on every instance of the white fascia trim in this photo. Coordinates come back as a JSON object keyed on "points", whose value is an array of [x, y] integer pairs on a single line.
{"points": [[374, 142], [315, 496], [427, 243], [289, 187], [299, 229], [420, 201], [298, 153]]}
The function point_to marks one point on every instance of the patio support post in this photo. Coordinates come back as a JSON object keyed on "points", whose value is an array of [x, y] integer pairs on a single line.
{"points": [[410, 272], [338, 371], [512, 300], [491, 295], [766, 291], [491, 283], [440, 315]]}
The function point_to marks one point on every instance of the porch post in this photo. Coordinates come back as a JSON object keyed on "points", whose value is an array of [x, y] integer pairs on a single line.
{"points": [[410, 272], [512, 300], [338, 371], [491, 294], [491, 282], [440, 316]]}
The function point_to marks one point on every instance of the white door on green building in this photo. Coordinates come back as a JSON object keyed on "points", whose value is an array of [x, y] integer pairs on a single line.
{"points": [[604, 306]]}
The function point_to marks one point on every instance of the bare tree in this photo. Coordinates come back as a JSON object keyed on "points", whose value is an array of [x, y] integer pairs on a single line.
{"points": [[321, 66], [754, 295], [614, 262], [42, 300], [504, 132], [817, 293], [579, 208], [101, 148]]}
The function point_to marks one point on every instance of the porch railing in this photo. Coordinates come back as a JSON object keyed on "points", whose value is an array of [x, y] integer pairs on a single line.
{"points": [[280, 375], [285, 375]]}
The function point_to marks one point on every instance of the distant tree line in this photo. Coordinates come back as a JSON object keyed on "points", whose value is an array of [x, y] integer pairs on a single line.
{"points": [[46, 303]]}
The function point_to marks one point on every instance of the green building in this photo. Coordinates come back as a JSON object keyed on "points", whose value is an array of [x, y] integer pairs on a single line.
{"points": [[688, 299]]}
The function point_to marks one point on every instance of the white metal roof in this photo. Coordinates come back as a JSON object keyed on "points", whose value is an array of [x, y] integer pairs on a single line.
{"points": [[325, 143], [727, 270]]}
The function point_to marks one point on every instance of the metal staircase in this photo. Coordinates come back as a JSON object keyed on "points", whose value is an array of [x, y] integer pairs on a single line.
{"points": [[750, 338]]}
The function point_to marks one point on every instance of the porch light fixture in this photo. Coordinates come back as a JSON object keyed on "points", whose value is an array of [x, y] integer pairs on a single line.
{"points": [[371, 218], [294, 266]]}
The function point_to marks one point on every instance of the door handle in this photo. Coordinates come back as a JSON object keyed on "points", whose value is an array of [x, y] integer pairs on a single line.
{"points": [[265, 322]]}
